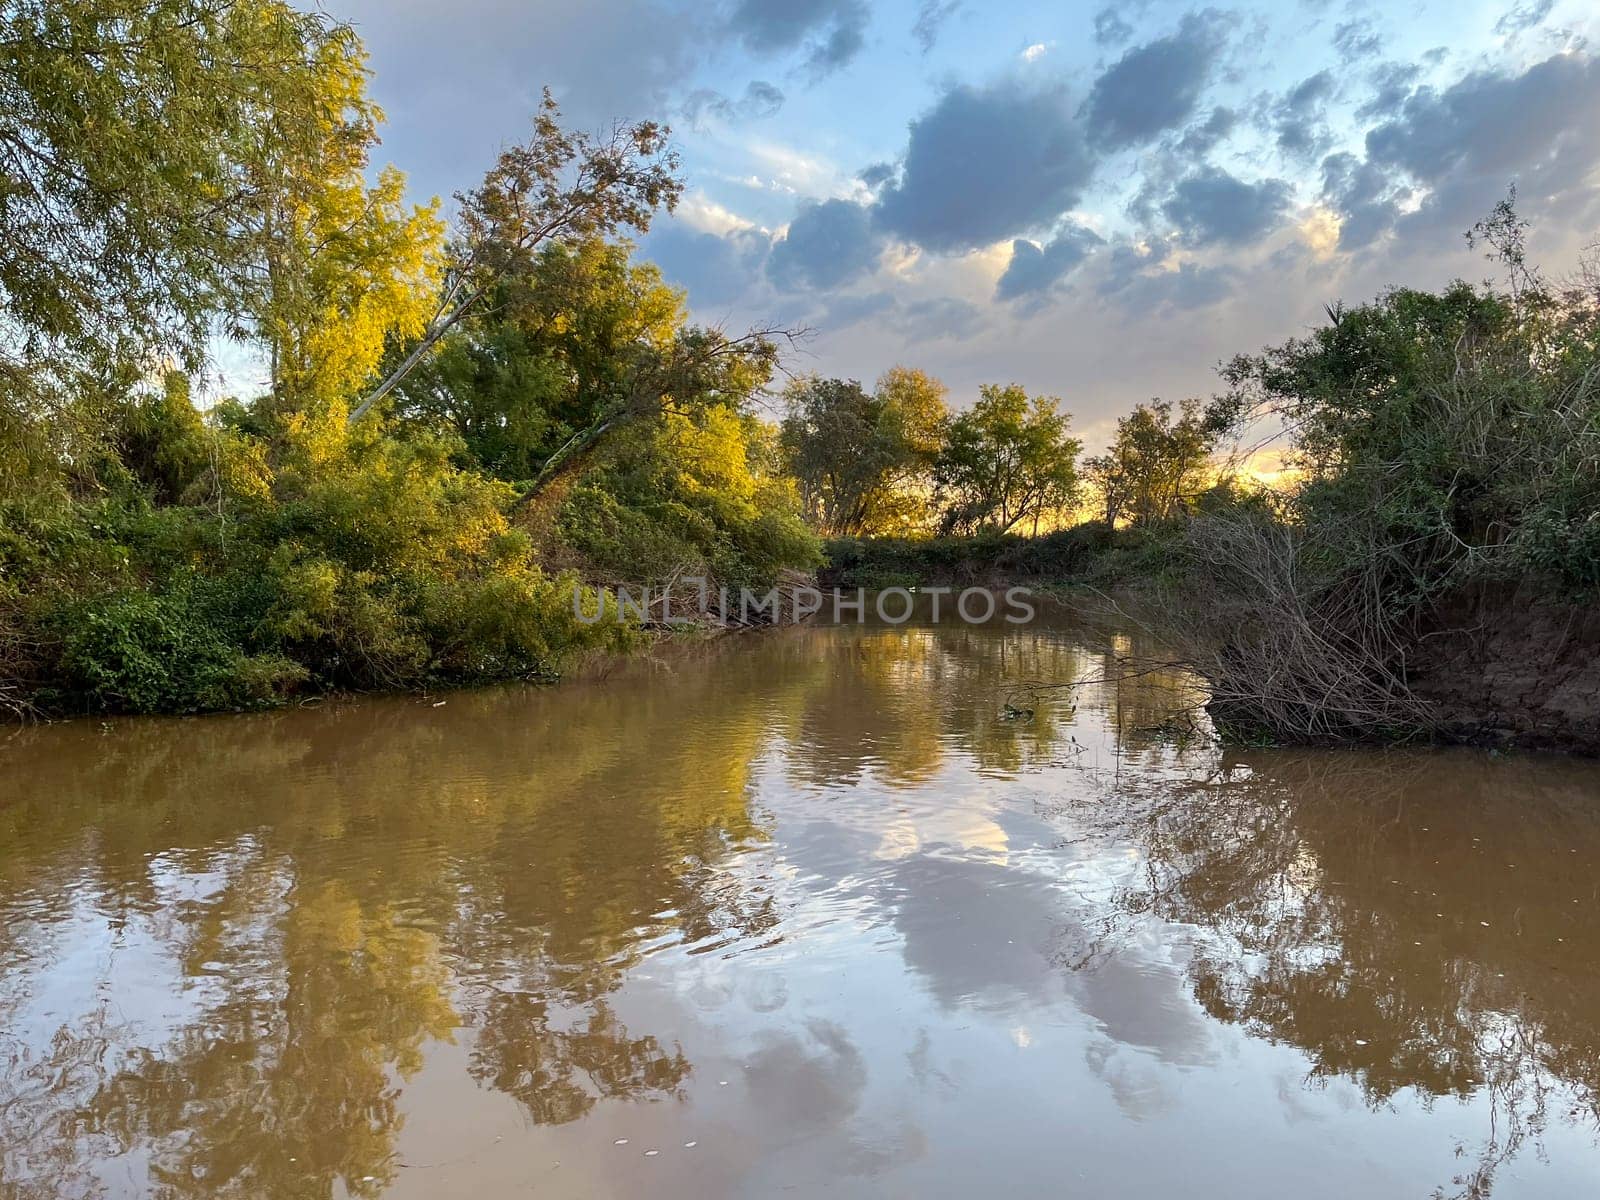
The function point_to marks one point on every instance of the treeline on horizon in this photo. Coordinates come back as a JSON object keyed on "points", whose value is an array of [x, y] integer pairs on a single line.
{"points": [[466, 419]]}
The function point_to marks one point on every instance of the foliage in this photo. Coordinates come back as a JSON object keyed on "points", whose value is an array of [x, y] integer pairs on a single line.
{"points": [[135, 161], [517, 383], [689, 496], [862, 460], [1156, 465], [1089, 553], [1442, 439], [558, 186], [1005, 461]]}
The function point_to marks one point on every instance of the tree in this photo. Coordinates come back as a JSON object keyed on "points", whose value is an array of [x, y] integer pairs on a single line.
{"points": [[558, 186], [1007, 459], [862, 460], [144, 147], [133, 159], [1156, 465], [519, 379]]}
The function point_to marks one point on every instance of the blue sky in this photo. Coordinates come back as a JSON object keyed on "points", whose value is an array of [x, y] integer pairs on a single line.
{"points": [[1098, 202]]}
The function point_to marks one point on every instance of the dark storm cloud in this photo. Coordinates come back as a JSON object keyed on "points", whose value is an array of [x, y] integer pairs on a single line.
{"points": [[715, 271], [833, 31], [1212, 206], [761, 99], [931, 17], [1298, 117], [828, 245], [1465, 143], [985, 164], [1156, 86], [1035, 269]]}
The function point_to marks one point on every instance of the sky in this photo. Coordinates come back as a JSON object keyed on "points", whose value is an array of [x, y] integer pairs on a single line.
{"points": [[1098, 202]]}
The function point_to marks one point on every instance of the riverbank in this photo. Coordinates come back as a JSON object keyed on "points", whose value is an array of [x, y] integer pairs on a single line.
{"points": [[1503, 666]]}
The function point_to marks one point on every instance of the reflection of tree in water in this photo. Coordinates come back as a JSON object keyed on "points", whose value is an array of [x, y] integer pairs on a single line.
{"points": [[330, 892], [898, 701], [351, 886], [558, 1072], [1396, 921]]}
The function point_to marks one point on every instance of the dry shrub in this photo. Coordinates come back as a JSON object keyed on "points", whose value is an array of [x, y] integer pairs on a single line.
{"points": [[1291, 653]]}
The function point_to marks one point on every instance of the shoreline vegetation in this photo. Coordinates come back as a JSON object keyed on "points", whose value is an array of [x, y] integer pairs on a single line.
{"points": [[463, 419]]}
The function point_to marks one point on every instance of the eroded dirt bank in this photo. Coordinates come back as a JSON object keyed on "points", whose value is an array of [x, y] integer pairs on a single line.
{"points": [[1506, 666]]}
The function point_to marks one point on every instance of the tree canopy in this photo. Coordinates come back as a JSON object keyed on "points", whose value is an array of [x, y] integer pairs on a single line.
{"points": [[1007, 460]]}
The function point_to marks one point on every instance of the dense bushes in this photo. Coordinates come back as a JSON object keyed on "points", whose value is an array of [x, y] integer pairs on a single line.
{"points": [[1443, 441], [1092, 552], [356, 561]]}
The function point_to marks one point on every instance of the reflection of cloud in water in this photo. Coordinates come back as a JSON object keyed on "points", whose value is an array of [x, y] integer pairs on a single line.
{"points": [[999, 940], [977, 933], [1146, 1004], [806, 1082]]}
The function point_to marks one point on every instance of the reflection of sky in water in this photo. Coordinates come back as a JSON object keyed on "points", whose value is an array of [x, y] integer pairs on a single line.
{"points": [[812, 906]]}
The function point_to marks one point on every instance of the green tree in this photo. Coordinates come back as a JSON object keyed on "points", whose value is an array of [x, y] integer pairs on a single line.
{"points": [[558, 186], [140, 155], [1006, 460], [862, 460], [1156, 466], [518, 381], [133, 158]]}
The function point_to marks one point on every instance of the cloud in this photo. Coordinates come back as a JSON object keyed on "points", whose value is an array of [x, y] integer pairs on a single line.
{"points": [[605, 60], [986, 164], [938, 317], [1142, 286], [931, 16], [1391, 84], [1523, 16], [714, 269], [1109, 28], [1156, 86], [1360, 192], [1299, 116], [1199, 140], [1212, 206], [1356, 40], [1463, 144], [761, 99], [828, 245], [1036, 269], [832, 31], [876, 174]]}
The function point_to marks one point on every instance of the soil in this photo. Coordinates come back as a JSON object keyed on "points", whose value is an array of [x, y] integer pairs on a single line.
{"points": [[1507, 666]]}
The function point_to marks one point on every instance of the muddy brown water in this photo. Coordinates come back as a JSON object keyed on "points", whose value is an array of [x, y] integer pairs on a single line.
{"points": [[806, 913]]}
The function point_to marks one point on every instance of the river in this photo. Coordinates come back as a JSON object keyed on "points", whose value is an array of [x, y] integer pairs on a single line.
{"points": [[810, 912]]}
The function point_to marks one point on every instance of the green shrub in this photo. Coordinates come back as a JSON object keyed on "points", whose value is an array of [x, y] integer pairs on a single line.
{"points": [[167, 652]]}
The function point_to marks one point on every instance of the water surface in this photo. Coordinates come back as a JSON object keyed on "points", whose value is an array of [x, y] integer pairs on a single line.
{"points": [[809, 913]]}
